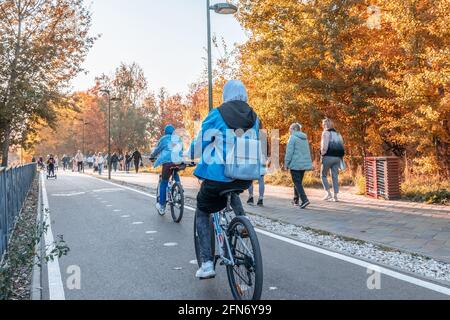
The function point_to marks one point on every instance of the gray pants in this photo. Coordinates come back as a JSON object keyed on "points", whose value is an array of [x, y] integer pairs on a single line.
{"points": [[333, 164], [204, 228], [262, 188]]}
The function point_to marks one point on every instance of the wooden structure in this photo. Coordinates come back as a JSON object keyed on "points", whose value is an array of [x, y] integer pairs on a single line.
{"points": [[383, 176]]}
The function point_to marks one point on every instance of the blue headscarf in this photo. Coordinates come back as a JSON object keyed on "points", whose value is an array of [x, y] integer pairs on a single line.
{"points": [[234, 90]]}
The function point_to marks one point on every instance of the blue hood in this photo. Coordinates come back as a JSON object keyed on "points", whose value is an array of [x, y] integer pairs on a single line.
{"points": [[234, 90], [169, 130]]}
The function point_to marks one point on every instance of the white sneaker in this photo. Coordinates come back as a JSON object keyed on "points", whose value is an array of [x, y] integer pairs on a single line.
{"points": [[335, 198], [206, 271], [161, 209], [328, 197]]}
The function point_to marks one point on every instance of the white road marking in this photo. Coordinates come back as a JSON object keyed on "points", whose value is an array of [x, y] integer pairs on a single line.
{"points": [[72, 194], [273, 288], [137, 223], [193, 262], [151, 232], [125, 216], [106, 190], [117, 210], [170, 244], [109, 205], [55, 284], [393, 274]]}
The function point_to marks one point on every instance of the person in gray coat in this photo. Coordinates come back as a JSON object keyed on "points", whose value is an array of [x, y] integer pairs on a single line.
{"points": [[298, 161]]}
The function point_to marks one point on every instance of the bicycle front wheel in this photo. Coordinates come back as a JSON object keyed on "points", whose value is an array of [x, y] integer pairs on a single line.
{"points": [[177, 204], [246, 276]]}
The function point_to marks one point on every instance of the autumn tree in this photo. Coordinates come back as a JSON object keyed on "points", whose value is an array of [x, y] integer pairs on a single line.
{"points": [[42, 46]]}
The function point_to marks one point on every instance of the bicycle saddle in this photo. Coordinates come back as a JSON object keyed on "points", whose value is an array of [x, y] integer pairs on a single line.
{"points": [[227, 192]]}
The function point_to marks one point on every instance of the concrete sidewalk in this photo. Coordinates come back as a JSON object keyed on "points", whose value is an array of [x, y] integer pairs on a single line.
{"points": [[408, 226]]}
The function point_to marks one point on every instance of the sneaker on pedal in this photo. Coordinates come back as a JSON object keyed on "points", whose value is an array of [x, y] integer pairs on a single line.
{"points": [[206, 271], [260, 203], [161, 209], [251, 201]]}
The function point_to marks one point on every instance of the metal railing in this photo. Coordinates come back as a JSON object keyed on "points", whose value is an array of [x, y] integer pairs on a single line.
{"points": [[15, 182]]}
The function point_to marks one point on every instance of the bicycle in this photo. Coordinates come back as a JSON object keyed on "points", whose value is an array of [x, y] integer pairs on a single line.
{"points": [[238, 250], [175, 193]]}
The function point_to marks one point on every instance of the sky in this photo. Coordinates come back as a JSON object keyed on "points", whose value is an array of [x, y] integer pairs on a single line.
{"points": [[165, 37]]}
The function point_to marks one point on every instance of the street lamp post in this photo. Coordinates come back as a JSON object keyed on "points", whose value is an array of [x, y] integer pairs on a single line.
{"points": [[108, 93], [220, 8]]}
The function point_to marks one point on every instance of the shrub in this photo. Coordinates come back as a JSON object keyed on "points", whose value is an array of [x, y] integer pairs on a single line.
{"points": [[425, 189]]}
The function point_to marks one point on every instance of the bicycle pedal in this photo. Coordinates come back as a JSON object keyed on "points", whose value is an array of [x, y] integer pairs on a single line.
{"points": [[208, 278]]}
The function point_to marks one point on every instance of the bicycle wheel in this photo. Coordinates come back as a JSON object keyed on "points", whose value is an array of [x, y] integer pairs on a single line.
{"points": [[177, 205], [246, 276], [196, 245]]}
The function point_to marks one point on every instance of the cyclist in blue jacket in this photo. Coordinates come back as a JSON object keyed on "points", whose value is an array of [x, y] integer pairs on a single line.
{"points": [[210, 147], [168, 153]]}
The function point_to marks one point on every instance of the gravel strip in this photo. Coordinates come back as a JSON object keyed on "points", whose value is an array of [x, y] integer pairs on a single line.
{"points": [[405, 261]]}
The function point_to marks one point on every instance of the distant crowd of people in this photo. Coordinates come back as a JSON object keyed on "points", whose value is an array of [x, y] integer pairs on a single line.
{"points": [[97, 161]]}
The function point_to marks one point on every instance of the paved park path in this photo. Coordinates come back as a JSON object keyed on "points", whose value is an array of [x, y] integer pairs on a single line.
{"points": [[120, 248], [412, 227]]}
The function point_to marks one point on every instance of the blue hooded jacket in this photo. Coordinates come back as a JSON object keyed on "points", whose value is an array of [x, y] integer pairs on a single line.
{"points": [[169, 148], [210, 144]]}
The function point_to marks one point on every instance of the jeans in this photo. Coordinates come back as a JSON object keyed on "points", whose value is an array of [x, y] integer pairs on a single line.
{"points": [[333, 164], [204, 228], [127, 167], [262, 188], [100, 169], [136, 166], [166, 173], [114, 165], [299, 191], [80, 166]]}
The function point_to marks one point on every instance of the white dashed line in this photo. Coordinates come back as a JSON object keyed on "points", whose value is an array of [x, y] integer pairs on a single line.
{"points": [[170, 244]]}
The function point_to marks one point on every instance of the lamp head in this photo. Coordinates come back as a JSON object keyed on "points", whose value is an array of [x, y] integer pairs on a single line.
{"points": [[224, 8]]}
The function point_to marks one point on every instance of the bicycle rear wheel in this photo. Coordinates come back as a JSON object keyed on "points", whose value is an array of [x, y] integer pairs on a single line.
{"points": [[177, 204], [246, 276], [196, 241]]}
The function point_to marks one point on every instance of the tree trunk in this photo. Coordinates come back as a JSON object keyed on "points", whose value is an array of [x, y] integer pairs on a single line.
{"points": [[5, 146]]}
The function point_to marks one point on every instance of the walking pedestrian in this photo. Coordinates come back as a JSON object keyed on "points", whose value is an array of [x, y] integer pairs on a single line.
{"points": [[333, 152], [137, 157], [127, 162], [100, 160], [79, 158], [298, 160], [114, 161]]}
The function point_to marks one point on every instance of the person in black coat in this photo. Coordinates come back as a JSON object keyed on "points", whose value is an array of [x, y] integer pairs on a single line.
{"points": [[114, 161], [137, 157]]}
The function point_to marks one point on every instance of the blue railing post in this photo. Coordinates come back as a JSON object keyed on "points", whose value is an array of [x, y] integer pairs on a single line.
{"points": [[14, 186]]}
